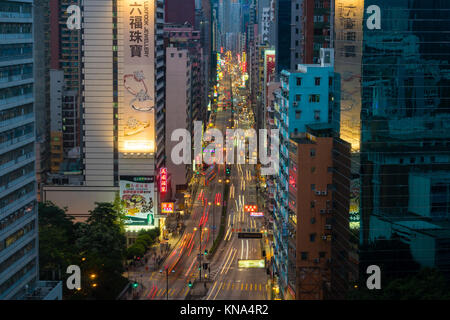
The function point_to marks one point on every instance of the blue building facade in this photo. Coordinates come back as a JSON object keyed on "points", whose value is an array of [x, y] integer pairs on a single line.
{"points": [[18, 211]]}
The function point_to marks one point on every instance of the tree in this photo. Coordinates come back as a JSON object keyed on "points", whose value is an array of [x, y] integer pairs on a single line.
{"points": [[56, 238], [135, 250], [102, 242]]}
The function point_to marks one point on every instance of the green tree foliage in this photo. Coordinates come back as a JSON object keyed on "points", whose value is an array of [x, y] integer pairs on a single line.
{"points": [[97, 246], [135, 250], [56, 238], [102, 244]]}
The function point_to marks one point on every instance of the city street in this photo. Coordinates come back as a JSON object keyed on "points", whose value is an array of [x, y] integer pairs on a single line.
{"points": [[223, 279]]}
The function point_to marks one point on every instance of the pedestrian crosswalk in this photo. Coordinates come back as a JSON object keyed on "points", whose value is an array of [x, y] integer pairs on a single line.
{"points": [[241, 286], [154, 293]]}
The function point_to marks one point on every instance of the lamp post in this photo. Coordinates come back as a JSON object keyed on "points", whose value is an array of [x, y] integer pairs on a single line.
{"points": [[200, 255], [167, 282]]}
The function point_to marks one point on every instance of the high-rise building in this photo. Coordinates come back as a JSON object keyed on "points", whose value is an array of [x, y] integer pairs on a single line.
{"points": [[283, 34], [123, 108], [405, 155], [316, 28], [19, 272], [308, 96], [319, 192], [180, 11], [178, 107]]}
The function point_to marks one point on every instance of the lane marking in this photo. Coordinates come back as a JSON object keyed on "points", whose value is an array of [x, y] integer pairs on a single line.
{"points": [[212, 290]]}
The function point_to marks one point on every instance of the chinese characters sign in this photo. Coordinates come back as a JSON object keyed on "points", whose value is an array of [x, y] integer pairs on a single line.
{"points": [[138, 105], [163, 180], [250, 208], [138, 198], [167, 207]]}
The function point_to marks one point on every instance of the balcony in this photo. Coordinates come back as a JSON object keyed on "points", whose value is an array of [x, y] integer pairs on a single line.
{"points": [[16, 36], [16, 121], [17, 160], [14, 205], [46, 290], [16, 15], [15, 140], [16, 182], [17, 99]]}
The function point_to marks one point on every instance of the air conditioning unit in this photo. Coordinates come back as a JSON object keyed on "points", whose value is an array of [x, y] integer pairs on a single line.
{"points": [[324, 193], [324, 237], [318, 193], [322, 211], [328, 226], [295, 104]]}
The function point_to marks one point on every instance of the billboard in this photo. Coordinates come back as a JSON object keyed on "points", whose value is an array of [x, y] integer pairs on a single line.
{"points": [[250, 208], [138, 106], [137, 194], [167, 207], [251, 263], [348, 52], [256, 214]]}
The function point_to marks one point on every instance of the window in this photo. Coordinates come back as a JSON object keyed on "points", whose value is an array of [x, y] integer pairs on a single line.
{"points": [[330, 81], [299, 81], [317, 81], [351, 36], [313, 187], [322, 254], [313, 169], [312, 152], [317, 114], [298, 97], [172, 55], [304, 255], [318, 18], [314, 98], [297, 114], [313, 220], [313, 204], [312, 237], [350, 51]]}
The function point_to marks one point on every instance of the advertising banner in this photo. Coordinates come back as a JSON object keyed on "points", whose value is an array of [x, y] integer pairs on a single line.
{"points": [[138, 198], [167, 207], [138, 107]]}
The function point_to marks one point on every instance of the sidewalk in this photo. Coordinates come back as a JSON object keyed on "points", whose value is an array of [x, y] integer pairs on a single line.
{"points": [[154, 258]]}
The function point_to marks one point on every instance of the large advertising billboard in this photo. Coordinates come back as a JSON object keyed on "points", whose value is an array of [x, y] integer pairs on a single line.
{"points": [[138, 105], [348, 52], [137, 194]]}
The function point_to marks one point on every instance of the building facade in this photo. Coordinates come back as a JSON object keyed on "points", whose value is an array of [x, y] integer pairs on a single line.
{"points": [[319, 192], [307, 96], [405, 157], [19, 270]]}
